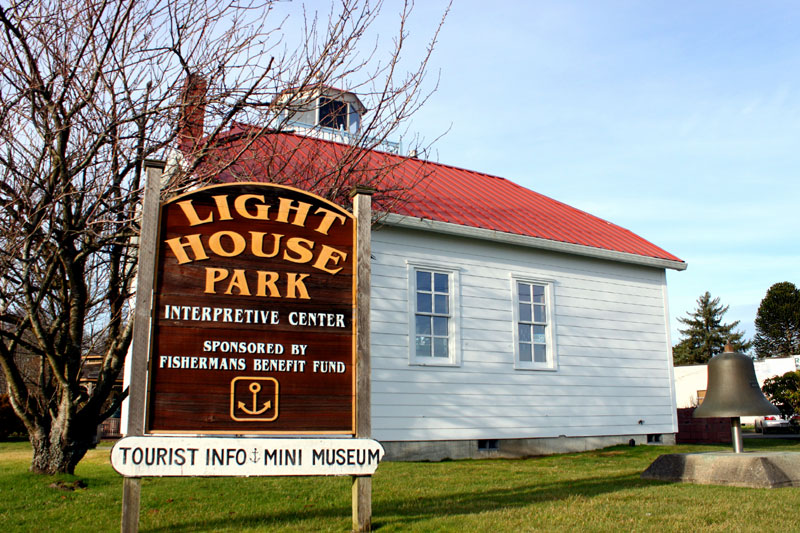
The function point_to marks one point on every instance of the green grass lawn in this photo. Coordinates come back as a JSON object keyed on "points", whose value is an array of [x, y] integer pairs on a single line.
{"points": [[591, 491]]}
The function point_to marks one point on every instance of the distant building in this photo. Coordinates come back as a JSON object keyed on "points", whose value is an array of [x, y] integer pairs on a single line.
{"points": [[691, 381]]}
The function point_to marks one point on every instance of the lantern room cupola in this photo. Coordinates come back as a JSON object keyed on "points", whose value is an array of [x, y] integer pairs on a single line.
{"points": [[326, 113], [322, 111]]}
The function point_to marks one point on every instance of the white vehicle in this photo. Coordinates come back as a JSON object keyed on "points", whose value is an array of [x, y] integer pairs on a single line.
{"points": [[771, 423]]}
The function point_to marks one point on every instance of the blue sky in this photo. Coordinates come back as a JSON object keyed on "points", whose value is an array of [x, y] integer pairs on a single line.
{"points": [[678, 120]]}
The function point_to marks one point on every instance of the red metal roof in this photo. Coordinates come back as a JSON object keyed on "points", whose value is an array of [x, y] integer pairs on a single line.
{"points": [[426, 190]]}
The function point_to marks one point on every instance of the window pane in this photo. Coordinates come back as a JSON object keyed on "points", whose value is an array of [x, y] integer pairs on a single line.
{"points": [[525, 352], [440, 347], [423, 347], [538, 334], [524, 333], [538, 294], [524, 292], [423, 281], [355, 120], [424, 302], [423, 325], [539, 314], [539, 353], [524, 312], [440, 283], [440, 326], [442, 307]]}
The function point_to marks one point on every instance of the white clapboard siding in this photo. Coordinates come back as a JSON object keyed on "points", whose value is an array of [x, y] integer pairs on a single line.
{"points": [[612, 362], [475, 419], [469, 400], [620, 317], [566, 375], [500, 411], [613, 373], [592, 323], [494, 363], [411, 434], [552, 382], [509, 427]]}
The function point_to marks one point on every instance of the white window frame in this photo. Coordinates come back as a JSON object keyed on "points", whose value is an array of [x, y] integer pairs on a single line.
{"points": [[454, 325], [551, 362]]}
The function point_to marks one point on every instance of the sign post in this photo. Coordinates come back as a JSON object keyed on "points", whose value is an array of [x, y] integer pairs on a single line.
{"points": [[362, 485], [260, 326], [140, 344]]}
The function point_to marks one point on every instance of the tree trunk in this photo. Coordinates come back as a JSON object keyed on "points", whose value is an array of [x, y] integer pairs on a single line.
{"points": [[59, 450]]}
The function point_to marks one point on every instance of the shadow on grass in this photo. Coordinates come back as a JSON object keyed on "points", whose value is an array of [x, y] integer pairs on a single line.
{"points": [[403, 512], [283, 520], [400, 512], [408, 511]]}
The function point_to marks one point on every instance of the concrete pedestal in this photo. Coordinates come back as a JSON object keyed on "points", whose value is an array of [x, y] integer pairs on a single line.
{"points": [[747, 469]]}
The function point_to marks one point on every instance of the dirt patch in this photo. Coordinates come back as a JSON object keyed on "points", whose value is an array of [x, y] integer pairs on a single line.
{"points": [[63, 485], [610, 454]]}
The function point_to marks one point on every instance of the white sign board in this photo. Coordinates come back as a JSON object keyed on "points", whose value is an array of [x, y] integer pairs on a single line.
{"points": [[220, 456]]}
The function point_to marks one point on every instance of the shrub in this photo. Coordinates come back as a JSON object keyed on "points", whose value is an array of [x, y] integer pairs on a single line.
{"points": [[784, 392]]}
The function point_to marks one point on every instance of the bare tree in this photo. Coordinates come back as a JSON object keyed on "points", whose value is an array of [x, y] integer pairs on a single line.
{"points": [[91, 89]]}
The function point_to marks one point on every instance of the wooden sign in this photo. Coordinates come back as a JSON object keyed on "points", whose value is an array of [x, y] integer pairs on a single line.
{"points": [[226, 456], [254, 314]]}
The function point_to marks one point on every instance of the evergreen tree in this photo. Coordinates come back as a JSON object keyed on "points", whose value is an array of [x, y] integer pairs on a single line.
{"points": [[778, 322], [705, 335]]}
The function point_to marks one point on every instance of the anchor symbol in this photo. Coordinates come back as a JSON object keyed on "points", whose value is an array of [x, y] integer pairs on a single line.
{"points": [[255, 456], [255, 388], [243, 409]]}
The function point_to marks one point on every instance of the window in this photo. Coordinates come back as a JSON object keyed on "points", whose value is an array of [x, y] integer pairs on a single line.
{"points": [[332, 113], [533, 316], [338, 115], [432, 332], [488, 445], [434, 311], [701, 395]]}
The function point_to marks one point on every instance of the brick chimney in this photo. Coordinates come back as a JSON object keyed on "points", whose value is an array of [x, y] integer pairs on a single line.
{"points": [[191, 120]]}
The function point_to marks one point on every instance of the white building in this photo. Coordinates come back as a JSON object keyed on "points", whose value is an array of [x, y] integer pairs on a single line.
{"points": [[503, 322], [691, 381]]}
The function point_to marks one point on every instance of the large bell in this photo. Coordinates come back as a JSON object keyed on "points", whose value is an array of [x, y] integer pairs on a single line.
{"points": [[733, 389]]}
